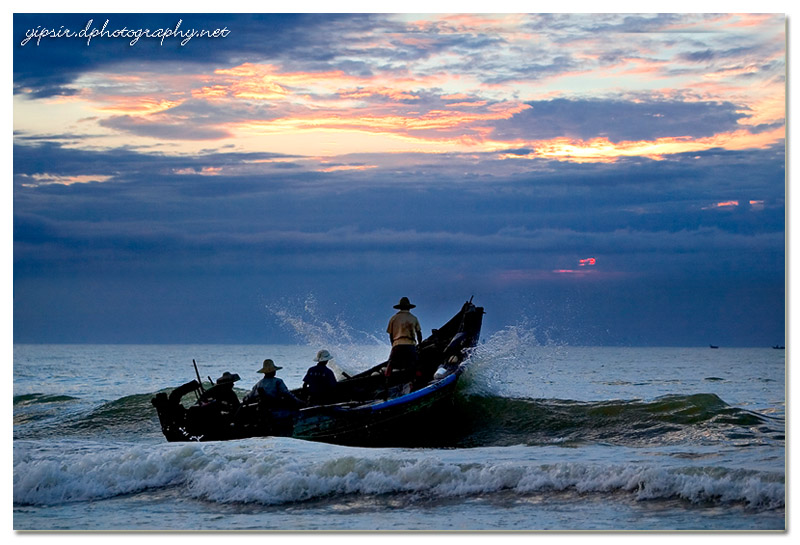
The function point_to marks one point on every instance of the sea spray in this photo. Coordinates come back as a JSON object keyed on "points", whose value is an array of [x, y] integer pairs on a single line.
{"points": [[352, 350], [496, 363]]}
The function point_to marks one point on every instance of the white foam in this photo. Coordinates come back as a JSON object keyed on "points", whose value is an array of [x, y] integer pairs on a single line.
{"points": [[276, 471], [62, 476]]}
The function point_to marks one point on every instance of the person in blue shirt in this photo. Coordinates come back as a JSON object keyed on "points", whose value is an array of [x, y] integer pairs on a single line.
{"points": [[271, 391], [320, 381]]}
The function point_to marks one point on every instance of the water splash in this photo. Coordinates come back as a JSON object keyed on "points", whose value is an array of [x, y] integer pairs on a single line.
{"points": [[352, 350], [522, 349]]}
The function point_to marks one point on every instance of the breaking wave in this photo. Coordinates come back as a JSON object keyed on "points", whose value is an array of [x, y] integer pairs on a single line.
{"points": [[280, 471]]}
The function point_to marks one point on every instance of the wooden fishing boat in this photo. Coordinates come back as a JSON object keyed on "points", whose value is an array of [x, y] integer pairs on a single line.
{"points": [[363, 409]]}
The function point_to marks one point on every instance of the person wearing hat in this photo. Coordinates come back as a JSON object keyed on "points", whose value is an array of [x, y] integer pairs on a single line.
{"points": [[271, 391], [319, 381], [404, 333], [222, 392]]}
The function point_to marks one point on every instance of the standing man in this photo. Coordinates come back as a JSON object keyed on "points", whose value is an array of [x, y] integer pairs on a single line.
{"points": [[404, 334]]}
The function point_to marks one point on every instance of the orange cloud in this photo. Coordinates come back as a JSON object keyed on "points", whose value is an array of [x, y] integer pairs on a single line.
{"points": [[474, 104], [433, 120], [603, 150], [750, 20], [211, 92], [722, 204], [139, 105], [456, 96], [262, 89], [251, 75], [337, 168]]}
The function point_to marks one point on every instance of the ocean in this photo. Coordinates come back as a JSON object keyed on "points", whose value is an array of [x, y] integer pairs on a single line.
{"points": [[539, 438]]}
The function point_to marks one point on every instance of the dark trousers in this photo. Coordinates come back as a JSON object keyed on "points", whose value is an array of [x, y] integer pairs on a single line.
{"points": [[403, 357]]}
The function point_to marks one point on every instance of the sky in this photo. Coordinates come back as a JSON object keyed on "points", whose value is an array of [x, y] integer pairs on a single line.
{"points": [[590, 179]]}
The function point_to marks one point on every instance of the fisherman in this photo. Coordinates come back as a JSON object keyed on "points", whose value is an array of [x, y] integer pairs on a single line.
{"points": [[271, 391], [319, 381], [222, 392], [404, 333]]}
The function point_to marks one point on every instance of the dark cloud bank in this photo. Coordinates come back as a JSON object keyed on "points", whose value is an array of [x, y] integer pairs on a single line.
{"points": [[155, 256]]}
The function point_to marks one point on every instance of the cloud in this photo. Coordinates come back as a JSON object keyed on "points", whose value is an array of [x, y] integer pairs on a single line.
{"points": [[163, 128], [164, 211], [618, 120], [359, 155], [392, 75]]}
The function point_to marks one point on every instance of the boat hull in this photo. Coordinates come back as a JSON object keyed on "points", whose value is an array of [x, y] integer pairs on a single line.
{"points": [[381, 422]]}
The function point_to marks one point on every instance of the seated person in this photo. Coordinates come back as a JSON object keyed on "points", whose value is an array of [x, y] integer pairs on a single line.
{"points": [[319, 381], [271, 391], [222, 392]]}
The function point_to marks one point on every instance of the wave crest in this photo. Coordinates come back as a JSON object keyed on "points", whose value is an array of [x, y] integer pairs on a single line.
{"points": [[252, 472]]}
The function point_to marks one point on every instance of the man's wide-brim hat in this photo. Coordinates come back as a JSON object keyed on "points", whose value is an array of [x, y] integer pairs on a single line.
{"points": [[268, 367], [228, 377], [323, 355], [404, 304]]}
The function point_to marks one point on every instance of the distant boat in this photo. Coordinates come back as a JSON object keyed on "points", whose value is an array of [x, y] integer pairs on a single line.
{"points": [[712, 346], [776, 347]]}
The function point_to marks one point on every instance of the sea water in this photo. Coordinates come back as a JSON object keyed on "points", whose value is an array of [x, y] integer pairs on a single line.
{"points": [[539, 438]]}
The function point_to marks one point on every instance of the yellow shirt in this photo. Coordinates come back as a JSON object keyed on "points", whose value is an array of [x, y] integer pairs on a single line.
{"points": [[403, 327]]}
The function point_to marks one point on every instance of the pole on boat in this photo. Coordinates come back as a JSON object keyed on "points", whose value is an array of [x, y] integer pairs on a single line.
{"points": [[198, 376]]}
